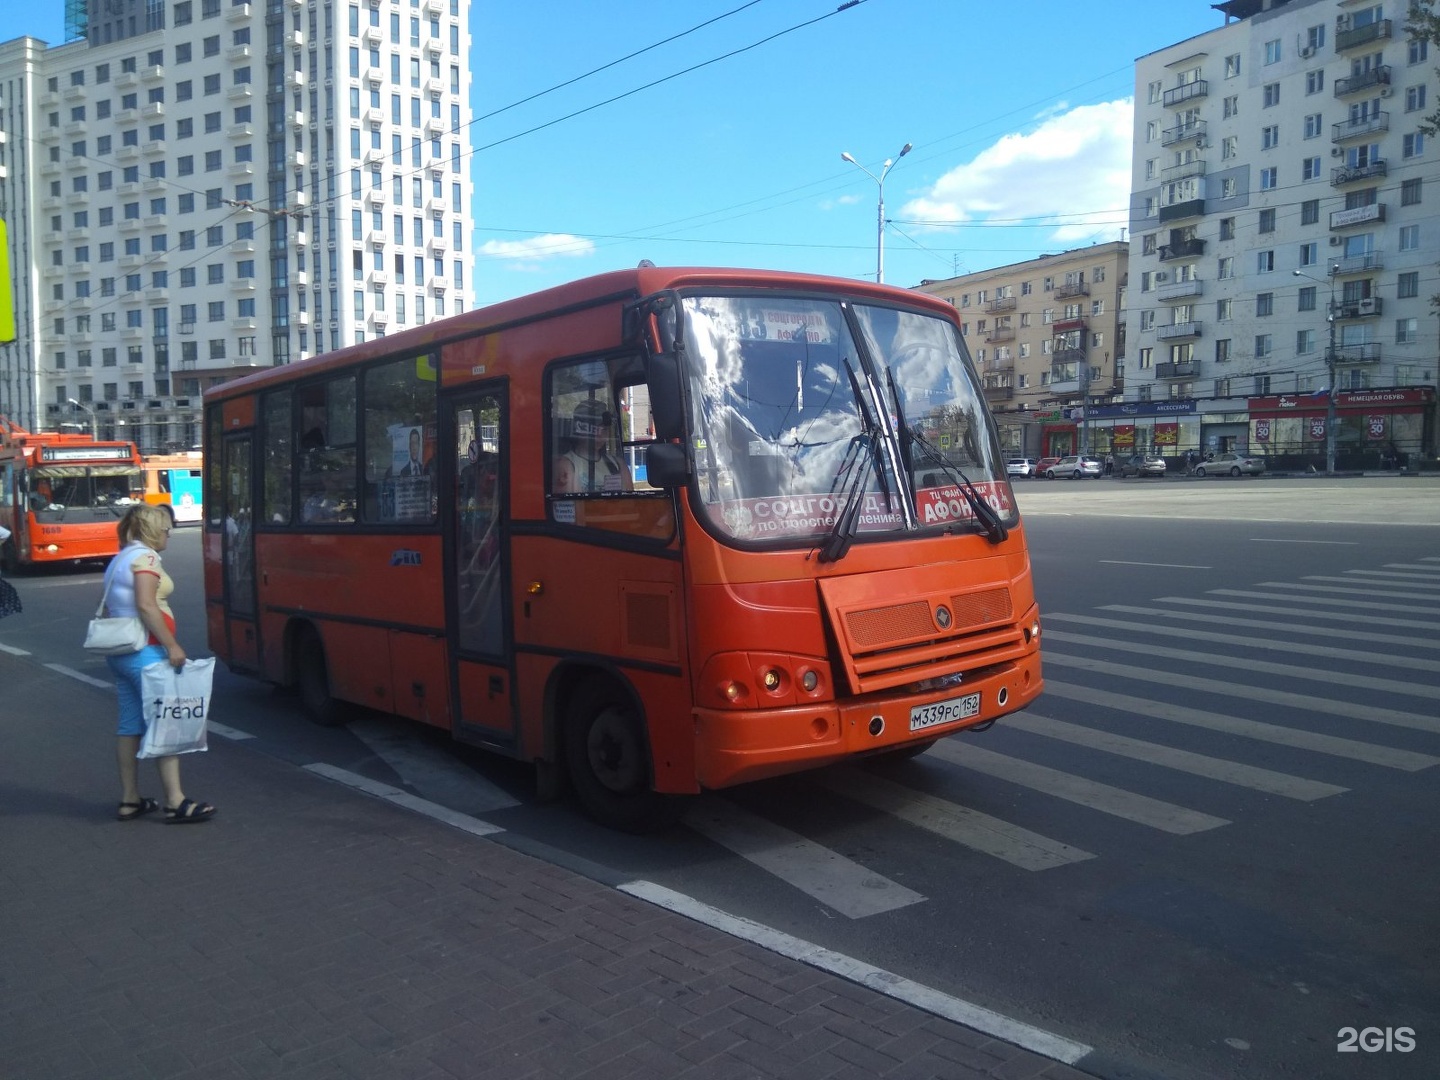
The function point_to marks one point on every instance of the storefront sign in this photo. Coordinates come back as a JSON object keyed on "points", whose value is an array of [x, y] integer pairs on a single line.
{"points": [[1262, 430]]}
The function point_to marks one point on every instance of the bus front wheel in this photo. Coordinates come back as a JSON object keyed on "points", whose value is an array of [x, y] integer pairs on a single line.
{"points": [[609, 764], [313, 677]]}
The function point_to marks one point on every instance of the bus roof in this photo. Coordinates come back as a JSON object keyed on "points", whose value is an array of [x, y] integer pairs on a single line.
{"points": [[617, 286], [16, 440]]}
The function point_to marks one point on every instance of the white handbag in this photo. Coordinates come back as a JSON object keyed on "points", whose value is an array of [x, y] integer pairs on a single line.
{"points": [[114, 636]]}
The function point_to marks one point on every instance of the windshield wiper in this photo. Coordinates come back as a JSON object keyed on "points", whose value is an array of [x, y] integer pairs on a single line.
{"points": [[862, 450], [995, 530]]}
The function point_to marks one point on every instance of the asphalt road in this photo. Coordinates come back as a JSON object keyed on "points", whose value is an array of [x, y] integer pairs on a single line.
{"points": [[1207, 852]]}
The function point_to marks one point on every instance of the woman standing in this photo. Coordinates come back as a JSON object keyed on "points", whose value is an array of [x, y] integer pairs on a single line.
{"points": [[137, 585]]}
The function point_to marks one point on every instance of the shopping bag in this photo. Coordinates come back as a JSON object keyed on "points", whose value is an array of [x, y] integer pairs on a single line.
{"points": [[177, 704], [9, 599]]}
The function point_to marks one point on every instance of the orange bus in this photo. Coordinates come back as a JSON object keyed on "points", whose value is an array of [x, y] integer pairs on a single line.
{"points": [[654, 531], [61, 494], [174, 480]]}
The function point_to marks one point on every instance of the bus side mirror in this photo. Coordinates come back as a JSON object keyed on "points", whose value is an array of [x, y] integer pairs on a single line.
{"points": [[666, 465], [665, 401]]}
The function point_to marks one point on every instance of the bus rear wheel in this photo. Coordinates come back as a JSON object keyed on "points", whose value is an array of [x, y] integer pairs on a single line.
{"points": [[313, 677], [608, 760]]}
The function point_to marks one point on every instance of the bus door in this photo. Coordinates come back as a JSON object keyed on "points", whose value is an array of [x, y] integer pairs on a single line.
{"points": [[477, 548], [238, 550]]}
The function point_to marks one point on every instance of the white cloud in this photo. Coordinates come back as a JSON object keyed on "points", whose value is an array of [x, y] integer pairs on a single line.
{"points": [[1073, 168], [538, 249]]}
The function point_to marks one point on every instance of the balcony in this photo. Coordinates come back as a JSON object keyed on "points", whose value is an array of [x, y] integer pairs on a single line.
{"points": [[1176, 331], [373, 36], [126, 79], [153, 73], [1001, 303], [438, 245], [1071, 289], [1376, 76], [1183, 369], [1359, 215], [1350, 174], [238, 53], [434, 87], [1176, 211], [240, 131], [154, 221], [1365, 125], [1067, 326], [376, 239], [245, 323], [238, 13], [437, 285], [998, 391], [153, 148], [243, 246], [1359, 264], [435, 125], [379, 277], [125, 117], [1180, 290], [1183, 171], [295, 39], [374, 117], [1187, 92], [375, 76], [1367, 308], [1356, 36], [300, 278], [242, 169], [128, 225], [242, 284], [240, 92], [1183, 133], [1184, 249], [1369, 353], [1000, 334], [302, 318], [302, 239]]}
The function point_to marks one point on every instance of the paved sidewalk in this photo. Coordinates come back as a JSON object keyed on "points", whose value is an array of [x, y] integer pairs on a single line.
{"points": [[311, 931]]}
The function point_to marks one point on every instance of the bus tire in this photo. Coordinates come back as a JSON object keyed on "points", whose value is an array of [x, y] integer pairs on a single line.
{"points": [[608, 761], [313, 681]]}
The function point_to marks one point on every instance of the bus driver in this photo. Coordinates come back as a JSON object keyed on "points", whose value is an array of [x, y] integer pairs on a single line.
{"points": [[589, 462]]}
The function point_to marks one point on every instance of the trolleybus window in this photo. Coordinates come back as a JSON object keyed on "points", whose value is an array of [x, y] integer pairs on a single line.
{"points": [[277, 453], [327, 452], [400, 442]]}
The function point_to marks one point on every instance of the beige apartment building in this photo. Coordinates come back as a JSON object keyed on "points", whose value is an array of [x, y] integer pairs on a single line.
{"points": [[1048, 339]]}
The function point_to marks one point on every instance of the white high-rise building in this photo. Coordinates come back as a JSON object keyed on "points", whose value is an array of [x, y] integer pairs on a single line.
{"points": [[197, 188], [1285, 221]]}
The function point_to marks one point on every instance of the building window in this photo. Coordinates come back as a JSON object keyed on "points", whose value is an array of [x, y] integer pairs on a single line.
{"points": [[1270, 95], [1267, 220], [1229, 147], [1232, 65], [1412, 145], [1228, 188], [1304, 342], [1269, 178], [1314, 126], [1230, 107], [1265, 262], [1306, 299], [1407, 287], [1314, 82], [1270, 137], [1262, 346], [1410, 238], [1222, 350], [1227, 228], [1223, 310], [1309, 254], [1264, 304], [1410, 192], [1407, 331], [1415, 98], [1310, 212], [1272, 52]]}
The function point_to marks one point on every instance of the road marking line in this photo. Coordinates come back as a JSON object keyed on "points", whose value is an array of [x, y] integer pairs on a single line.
{"points": [[951, 821], [1348, 710], [1141, 809], [1169, 757], [1281, 540], [1367, 605], [1291, 671], [1384, 589], [1165, 565], [13, 651], [394, 795], [1401, 572], [828, 876], [922, 997], [1298, 629], [1190, 634], [1405, 760], [1307, 613], [234, 734], [80, 676]]}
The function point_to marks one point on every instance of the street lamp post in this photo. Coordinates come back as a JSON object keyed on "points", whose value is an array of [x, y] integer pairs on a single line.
{"points": [[1329, 370], [880, 215], [94, 435]]}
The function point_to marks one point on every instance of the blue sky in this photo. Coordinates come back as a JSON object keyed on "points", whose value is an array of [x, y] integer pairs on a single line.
{"points": [[1019, 116]]}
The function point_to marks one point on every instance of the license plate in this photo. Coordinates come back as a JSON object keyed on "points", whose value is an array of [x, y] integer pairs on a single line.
{"points": [[944, 712]]}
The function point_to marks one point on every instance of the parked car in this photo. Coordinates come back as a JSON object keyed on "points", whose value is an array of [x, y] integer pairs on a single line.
{"points": [[1143, 465], [1075, 467], [1020, 466], [1043, 467], [1230, 464]]}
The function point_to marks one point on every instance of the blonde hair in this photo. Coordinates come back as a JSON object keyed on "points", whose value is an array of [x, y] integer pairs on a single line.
{"points": [[145, 523]]}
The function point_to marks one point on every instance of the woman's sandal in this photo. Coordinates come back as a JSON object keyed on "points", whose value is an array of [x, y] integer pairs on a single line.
{"points": [[129, 811], [189, 812]]}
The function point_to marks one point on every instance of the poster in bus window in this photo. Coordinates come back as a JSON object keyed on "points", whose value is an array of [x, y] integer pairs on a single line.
{"points": [[410, 472]]}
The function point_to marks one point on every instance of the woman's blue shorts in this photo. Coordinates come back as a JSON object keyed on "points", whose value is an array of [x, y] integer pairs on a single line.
{"points": [[126, 670]]}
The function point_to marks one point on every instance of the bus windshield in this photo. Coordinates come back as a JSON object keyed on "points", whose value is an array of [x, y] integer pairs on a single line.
{"points": [[812, 418], [72, 493]]}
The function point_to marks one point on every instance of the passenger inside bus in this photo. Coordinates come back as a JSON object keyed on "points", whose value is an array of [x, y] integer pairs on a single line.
{"points": [[588, 461]]}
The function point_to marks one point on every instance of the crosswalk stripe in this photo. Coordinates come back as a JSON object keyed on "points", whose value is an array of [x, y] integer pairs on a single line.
{"points": [[1290, 671], [1191, 634], [1351, 587], [1393, 717], [1302, 613], [1169, 757], [1401, 571], [959, 824], [1300, 630], [1141, 809], [828, 876], [1367, 605], [1405, 760]]}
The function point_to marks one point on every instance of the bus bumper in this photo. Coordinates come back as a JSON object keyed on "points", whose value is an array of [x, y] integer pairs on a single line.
{"points": [[738, 746]]}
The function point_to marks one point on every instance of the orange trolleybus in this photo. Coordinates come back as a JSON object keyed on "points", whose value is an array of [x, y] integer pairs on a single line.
{"points": [[655, 531], [61, 494]]}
